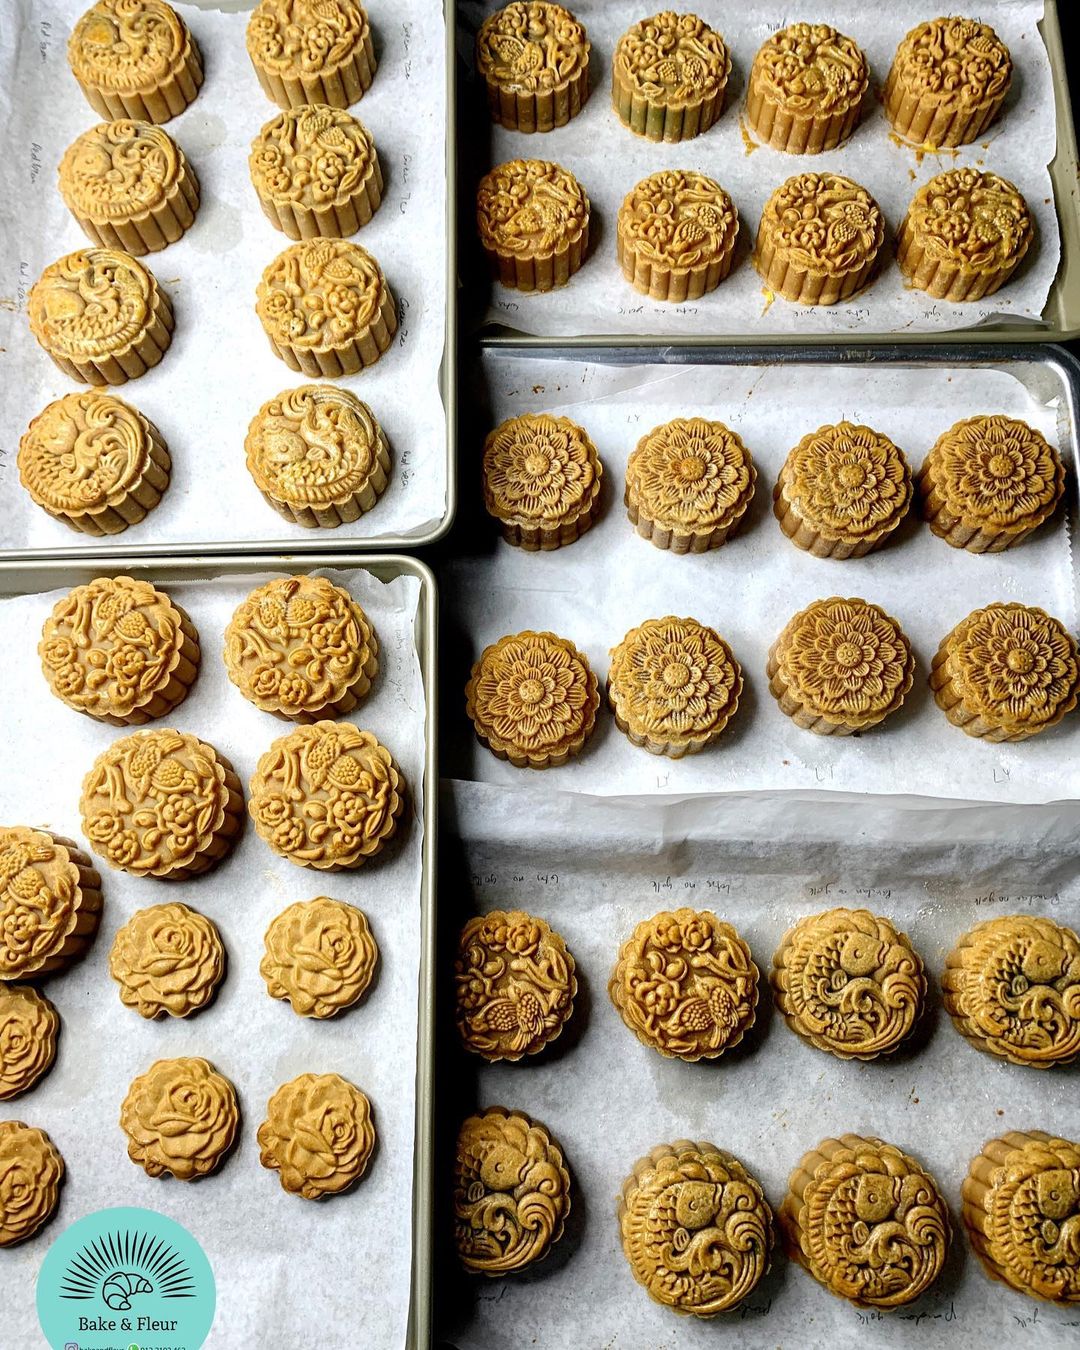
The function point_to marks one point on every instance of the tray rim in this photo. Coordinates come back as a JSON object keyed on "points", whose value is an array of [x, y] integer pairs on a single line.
{"points": [[1063, 297], [25, 577]]}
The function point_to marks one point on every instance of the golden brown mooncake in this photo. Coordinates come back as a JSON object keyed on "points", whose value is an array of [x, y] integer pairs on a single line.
{"points": [[669, 75], [327, 796], [947, 81], [119, 650], [320, 956], [515, 985], [988, 482], [326, 307], [1012, 988], [534, 60], [542, 480], [696, 1228], [1006, 672], [673, 686], [130, 186], [94, 462], [135, 58], [511, 1192], [965, 234], [29, 1026], [842, 492], [686, 985], [532, 699], [675, 235], [50, 903], [533, 218], [162, 804], [318, 1135], [101, 316], [689, 483], [867, 1221], [311, 51], [840, 666], [316, 172], [167, 959], [847, 982], [806, 88], [30, 1158], [819, 239], [318, 456], [302, 648], [181, 1118], [1021, 1208]]}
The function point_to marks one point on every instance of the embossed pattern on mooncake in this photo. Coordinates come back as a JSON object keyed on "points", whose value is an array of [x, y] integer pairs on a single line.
{"points": [[533, 218]]}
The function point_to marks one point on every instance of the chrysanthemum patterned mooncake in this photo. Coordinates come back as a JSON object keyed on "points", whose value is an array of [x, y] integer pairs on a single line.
{"points": [[849, 983], [316, 172], [695, 1227], [533, 218], [29, 1026], [673, 685], [1021, 1207], [161, 804], [167, 959], [32, 1169], [320, 956], [129, 186], [819, 239], [867, 1221], [534, 59], [532, 699], [302, 648], [94, 462], [181, 1118], [675, 235], [327, 796], [1006, 672], [515, 983], [135, 58], [840, 666], [842, 492], [688, 484], [948, 79], [318, 455], [119, 650], [101, 316], [318, 1135], [1012, 987], [311, 51], [50, 903], [965, 234], [806, 88], [988, 482], [511, 1192], [669, 75], [542, 480], [686, 985], [326, 307]]}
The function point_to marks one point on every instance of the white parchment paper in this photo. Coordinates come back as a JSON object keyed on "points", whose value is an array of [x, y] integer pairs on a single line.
{"points": [[282, 1265], [219, 369], [608, 581], [594, 867], [608, 159]]}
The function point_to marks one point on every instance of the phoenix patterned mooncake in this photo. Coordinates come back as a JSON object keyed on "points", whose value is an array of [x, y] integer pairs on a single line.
{"points": [[135, 58]]}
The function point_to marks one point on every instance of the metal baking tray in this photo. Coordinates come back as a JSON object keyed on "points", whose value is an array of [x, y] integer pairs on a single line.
{"points": [[317, 540], [47, 574], [1061, 315]]}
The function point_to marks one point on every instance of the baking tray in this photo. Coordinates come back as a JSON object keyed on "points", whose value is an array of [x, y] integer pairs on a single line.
{"points": [[141, 543], [1061, 315], [43, 575], [596, 589]]}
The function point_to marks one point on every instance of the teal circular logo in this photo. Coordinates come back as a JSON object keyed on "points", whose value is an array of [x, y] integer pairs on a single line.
{"points": [[127, 1278]]}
